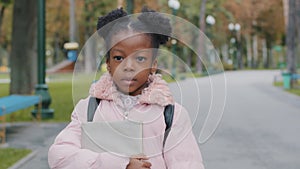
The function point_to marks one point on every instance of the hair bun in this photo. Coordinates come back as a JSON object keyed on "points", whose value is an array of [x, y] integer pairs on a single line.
{"points": [[157, 24], [110, 17]]}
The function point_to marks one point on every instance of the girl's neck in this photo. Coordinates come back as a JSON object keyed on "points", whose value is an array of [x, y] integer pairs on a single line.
{"points": [[139, 90], [129, 101]]}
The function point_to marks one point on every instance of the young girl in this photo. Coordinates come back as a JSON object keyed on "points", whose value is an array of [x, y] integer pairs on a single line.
{"points": [[131, 90]]}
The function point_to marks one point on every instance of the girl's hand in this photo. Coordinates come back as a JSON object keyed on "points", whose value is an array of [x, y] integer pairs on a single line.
{"points": [[139, 162]]}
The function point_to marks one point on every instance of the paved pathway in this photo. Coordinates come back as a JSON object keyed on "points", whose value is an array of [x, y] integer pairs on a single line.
{"points": [[259, 129], [260, 125], [35, 136]]}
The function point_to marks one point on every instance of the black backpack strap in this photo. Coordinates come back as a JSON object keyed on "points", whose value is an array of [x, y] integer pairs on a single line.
{"points": [[168, 114], [93, 104]]}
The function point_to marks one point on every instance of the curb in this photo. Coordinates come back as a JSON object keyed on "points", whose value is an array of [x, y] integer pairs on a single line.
{"points": [[24, 160]]}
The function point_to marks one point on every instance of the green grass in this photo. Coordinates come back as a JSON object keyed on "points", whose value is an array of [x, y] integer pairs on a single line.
{"points": [[180, 76], [295, 91], [278, 84], [4, 75], [62, 100], [9, 156]]}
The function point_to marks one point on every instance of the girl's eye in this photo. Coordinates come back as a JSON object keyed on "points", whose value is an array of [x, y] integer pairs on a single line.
{"points": [[118, 58], [140, 59]]}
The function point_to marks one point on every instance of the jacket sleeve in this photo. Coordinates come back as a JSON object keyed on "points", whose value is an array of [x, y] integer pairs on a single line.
{"points": [[66, 150], [181, 149]]}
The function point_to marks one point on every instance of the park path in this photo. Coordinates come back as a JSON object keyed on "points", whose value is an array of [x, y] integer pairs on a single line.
{"points": [[35, 136], [260, 125]]}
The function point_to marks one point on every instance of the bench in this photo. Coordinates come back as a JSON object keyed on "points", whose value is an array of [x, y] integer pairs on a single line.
{"points": [[294, 79], [13, 103], [295, 76]]}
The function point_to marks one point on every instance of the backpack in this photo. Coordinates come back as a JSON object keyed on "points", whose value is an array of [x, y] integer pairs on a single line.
{"points": [[168, 114]]}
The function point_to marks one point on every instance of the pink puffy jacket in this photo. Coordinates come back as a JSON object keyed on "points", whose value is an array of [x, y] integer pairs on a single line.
{"points": [[181, 150]]}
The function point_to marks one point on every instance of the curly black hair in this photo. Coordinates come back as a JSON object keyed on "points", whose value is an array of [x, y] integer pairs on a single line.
{"points": [[150, 22]]}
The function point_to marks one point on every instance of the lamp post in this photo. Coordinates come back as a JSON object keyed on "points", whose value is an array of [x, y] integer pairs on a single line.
{"points": [[41, 88], [210, 20], [235, 28], [129, 6], [174, 5]]}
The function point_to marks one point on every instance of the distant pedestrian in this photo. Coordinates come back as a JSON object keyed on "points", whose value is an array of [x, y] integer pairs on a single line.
{"points": [[132, 91]]}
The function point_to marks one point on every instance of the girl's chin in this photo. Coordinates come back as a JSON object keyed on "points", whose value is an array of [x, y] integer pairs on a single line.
{"points": [[125, 90]]}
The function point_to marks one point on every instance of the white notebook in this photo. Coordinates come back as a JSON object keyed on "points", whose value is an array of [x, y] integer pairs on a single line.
{"points": [[123, 138]]}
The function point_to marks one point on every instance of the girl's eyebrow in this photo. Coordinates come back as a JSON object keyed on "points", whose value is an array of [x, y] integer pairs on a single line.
{"points": [[142, 50], [137, 51], [117, 50]]}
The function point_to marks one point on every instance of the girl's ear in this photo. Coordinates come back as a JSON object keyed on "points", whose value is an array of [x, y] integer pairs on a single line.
{"points": [[154, 67]]}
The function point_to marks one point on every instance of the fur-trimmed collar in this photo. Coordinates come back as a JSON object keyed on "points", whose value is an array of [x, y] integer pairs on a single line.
{"points": [[157, 91]]}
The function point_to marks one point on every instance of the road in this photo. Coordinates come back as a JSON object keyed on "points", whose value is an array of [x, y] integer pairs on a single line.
{"points": [[260, 123]]}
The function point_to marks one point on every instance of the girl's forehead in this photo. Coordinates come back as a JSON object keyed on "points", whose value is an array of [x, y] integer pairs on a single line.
{"points": [[128, 35], [131, 40]]}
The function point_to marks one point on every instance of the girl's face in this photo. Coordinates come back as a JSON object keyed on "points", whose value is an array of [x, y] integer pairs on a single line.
{"points": [[130, 62]]}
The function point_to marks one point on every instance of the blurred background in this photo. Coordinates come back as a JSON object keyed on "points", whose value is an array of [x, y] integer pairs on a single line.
{"points": [[247, 34], [40, 41]]}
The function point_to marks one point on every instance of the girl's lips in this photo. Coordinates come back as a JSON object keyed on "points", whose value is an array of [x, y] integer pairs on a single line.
{"points": [[128, 81]]}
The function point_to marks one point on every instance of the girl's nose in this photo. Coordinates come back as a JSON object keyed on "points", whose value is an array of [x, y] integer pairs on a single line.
{"points": [[128, 64]]}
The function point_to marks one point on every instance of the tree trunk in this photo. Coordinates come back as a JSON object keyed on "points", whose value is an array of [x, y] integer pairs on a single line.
{"points": [[285, 12], [265, 53], [298, 22], [4, 4], [56, 48], [1, 16], [239, 51], [224, 53], [270, 58], [201, 42], [249, 51], [89, 51], [202, 16], [23, 53], [291, 33], [255, 52]]}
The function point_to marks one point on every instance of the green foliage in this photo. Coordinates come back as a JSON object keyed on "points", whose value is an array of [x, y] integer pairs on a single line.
{"points": [[278, 84], [227, 66], [93, 9], [168, 78], [295, 91], [5, 2], [189, 9], [4, 89], [9, 156]]}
